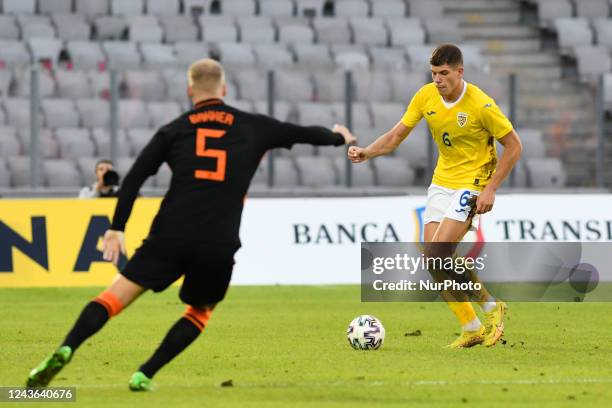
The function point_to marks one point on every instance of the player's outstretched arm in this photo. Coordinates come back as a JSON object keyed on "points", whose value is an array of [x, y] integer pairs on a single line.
{"points": [[385, 144], [512, 153]]}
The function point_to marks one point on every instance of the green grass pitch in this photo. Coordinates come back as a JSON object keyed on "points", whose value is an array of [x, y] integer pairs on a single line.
{"points": [[285, 346]]}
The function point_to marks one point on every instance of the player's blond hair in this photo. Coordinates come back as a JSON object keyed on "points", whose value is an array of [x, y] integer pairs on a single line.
{"points": [[206, 76]]}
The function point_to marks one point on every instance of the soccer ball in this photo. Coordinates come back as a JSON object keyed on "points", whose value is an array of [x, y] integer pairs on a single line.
{"points": [[365, 333]]}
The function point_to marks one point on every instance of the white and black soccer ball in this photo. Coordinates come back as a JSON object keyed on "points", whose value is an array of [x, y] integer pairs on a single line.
{"points": [[366, 333]]}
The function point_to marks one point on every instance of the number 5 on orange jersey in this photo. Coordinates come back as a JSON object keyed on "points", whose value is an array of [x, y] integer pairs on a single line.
{"points": [[202, 151]]}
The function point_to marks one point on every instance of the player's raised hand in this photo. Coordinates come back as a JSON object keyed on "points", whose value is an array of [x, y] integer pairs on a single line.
{"points": [[357, 154], [343, 130], [113, 245]]}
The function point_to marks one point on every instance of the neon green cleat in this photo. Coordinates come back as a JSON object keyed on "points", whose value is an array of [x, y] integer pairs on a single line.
{"points": [[42, 374], [494, 324], [468, 339], [140, 382]]}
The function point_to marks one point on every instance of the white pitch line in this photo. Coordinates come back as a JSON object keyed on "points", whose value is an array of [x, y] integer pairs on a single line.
{"points": [[239, 384]]}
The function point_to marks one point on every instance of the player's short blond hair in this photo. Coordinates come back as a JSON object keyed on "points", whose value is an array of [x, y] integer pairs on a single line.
{"points": [[206, 75]]}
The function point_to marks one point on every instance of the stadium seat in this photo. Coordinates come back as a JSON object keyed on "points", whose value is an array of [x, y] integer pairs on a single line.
{"points": [[132, 114], [9, 143], [282, 109], [371, 86], [296, 34], [533, 143], [86, 55], [6, 78], [8, 28], [592, 61], [572, 33], [218, 29], [551, 10], [19, 6], [2, 118], [603, 32], [245, 106], [196, 7], [276, 8], [271, 56], [592, 8], [252, 84], [419, 57], [443, 29], [71, 27], [425, 9], [74, 143], [94, 112], [330, 85], [123, 166], [144, 29], [14, 54], [92, 7], [145, 85], [405, 31], [46, 49], [238, 7], [179, 29], [545, 172], [393, 172], [386, 115], [315, 114], [256, 29], [163, 176], [362, 175], [236, 55], [46, 83], [351, 8], [100, 83], [388, 8], [187, 52], [176, 84], [110, 27], [48, 145], [312, 56], [370, 31], [352, 59], [158, 56], [332, 30], [285, 172], [384, 58], [102, 140], [5, 175], [17, 112], [414, 148], [361, 116], [121, 55], [139, 138], [163, 7], [59, 113], [19, 168], [61, 173], [54, 6], [37, 30], [162, 113], [309, 8], [316, 171], [127, 7], [294, 85]]}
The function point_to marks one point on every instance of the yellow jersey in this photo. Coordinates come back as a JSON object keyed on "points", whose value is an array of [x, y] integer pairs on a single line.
{"points": [[465, 132]]}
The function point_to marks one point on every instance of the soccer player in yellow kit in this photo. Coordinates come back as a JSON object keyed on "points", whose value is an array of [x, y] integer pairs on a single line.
{"points": [[464, 122]]}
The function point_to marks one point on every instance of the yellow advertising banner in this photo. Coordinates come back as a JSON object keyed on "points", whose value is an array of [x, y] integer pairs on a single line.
{"points": [[57, 242]]}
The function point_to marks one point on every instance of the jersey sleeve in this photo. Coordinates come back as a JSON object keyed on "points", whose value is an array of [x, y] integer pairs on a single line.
{"points": [[494, 121], [147, 163], [284, 134], [414, 112]]}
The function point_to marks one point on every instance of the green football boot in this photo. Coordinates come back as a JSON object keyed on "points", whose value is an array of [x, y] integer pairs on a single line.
{"points": [[140, 382], [42, 374]]}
